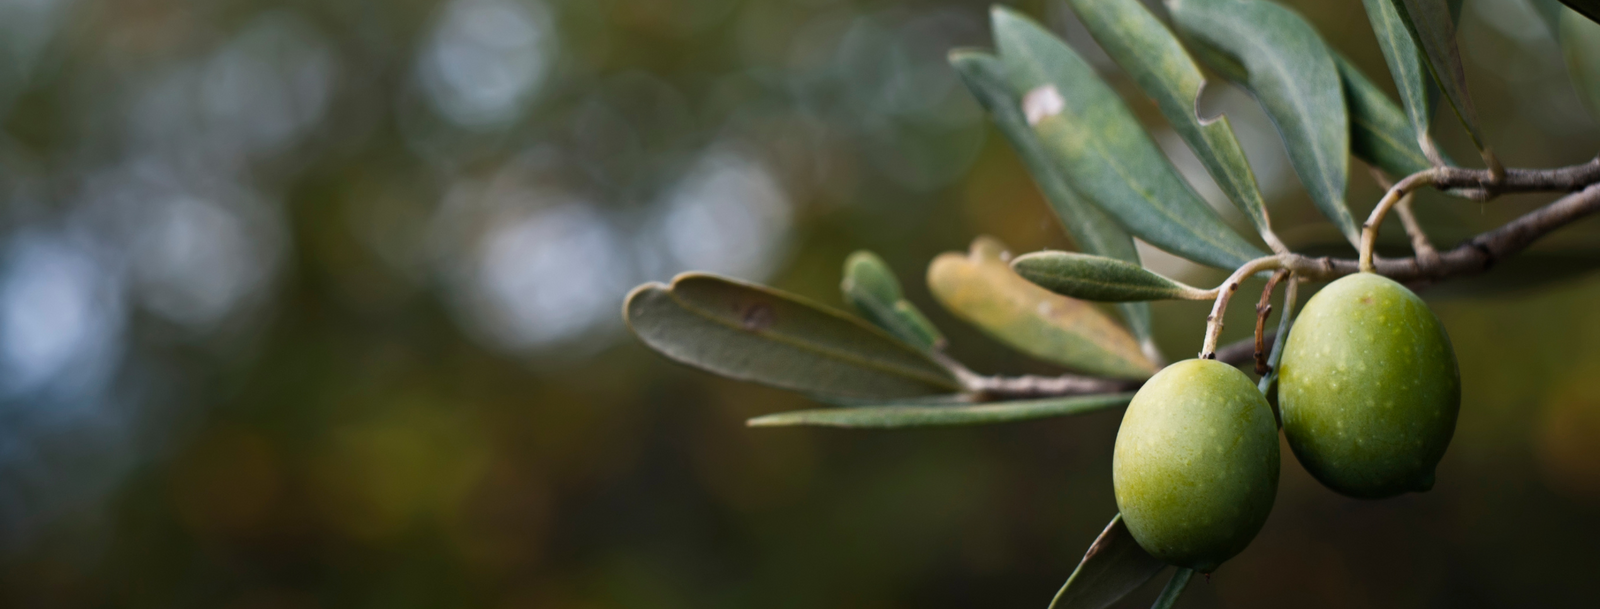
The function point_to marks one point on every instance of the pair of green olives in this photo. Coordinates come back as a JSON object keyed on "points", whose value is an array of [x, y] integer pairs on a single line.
{"points": [[1368, 390]]}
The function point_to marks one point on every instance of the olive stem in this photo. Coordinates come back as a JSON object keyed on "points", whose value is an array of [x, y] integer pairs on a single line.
{"points": [[1285, 321], [1208, 349], [1401, 190], [1264, 311], [1175, 586], [1420, 244]]}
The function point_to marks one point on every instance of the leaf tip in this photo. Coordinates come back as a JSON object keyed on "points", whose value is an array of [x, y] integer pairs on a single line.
{"points": [[636, 293], [762, 421], [1001, 12]]}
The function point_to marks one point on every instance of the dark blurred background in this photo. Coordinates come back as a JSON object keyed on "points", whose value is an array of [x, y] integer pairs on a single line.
{"points": [[316, 304]]}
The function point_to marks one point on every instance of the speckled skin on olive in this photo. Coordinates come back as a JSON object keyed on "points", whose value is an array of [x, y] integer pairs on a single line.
{"points": [[1196, 464], [1369, 388]]}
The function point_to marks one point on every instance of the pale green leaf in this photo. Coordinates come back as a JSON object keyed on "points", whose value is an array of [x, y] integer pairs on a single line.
{"points": [[1273, 52], [1148, 52], [1093, 231], [1114, 566], [1174, 588], [871, 288], [1580, 43], [1433, 29], [1407, 65], [759, 334], [1104, 152], [1099, 279], [930, 415], [1379, 131], [982, 289]]}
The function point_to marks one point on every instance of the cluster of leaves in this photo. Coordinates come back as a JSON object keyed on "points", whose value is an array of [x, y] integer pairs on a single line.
{"points": [[1109, 183]]}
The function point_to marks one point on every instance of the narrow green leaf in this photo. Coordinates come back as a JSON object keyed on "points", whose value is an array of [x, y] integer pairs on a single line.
{"points": [[1114, 566], [983, 290], [1103, 150], [1433, 29], [759, 334], [1273, 52], [1379, 131], [1174, 588], [1588, 8], [1093, 231], [925, 415], [1580, 43], [1407, 65], [1099, 279], [871, 288], [1148, 52]]}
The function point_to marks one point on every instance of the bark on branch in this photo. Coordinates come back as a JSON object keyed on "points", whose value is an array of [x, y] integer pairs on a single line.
{"points": [[1471, 257]]}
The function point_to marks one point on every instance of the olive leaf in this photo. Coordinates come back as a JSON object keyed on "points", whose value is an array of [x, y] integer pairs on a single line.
{"points": [[1379, 131], [982, 289], [1100, 279], [871, 288], [1169, 594], [1409, 68], [1149, 52], [759, 334], [1580, 43], [1091, 228], [931, 415], [1114, 566], [1433, 27], [1104, 152], [1271, 51]]}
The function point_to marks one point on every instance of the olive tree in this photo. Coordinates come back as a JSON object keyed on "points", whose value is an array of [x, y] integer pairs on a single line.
{"points": [[1364, 378]]}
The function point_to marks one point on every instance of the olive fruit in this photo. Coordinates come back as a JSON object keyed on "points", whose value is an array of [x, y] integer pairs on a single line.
{"points": [[1196, 464], [1368, 388]]}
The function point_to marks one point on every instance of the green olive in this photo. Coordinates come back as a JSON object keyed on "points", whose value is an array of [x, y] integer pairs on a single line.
{"points": [[1196, 464], [1369, 388]]}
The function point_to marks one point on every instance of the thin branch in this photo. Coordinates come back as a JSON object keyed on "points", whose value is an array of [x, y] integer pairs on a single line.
{"points": [[1567, 179], [1263, 311], [1489, 182], [1225, 292], [1420, 244], [1401, 190], [1473, 256]]}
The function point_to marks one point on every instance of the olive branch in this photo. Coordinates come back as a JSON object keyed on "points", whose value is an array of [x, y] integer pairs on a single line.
{"points": [[888, 366]]}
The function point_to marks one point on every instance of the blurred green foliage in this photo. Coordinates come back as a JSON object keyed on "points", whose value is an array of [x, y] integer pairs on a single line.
{"points": [[315, 304]]}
